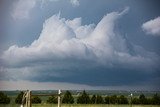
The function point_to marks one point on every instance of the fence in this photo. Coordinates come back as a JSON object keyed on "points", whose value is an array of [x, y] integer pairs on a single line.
{"points": [[26, 100]]}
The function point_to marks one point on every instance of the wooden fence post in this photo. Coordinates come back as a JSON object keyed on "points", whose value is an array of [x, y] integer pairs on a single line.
{"points": [[29, 100], [59, 98]]}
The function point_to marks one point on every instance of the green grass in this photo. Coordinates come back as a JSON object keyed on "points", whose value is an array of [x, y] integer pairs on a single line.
{"points": [[13, 95], [81, 105]]}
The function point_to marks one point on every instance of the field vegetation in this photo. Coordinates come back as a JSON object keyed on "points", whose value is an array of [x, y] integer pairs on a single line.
{"points": [[80, 105], [83, 100]]}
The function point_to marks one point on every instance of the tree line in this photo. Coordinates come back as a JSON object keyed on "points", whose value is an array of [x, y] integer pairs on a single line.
{"points": [[4, 99], [85, 98]]}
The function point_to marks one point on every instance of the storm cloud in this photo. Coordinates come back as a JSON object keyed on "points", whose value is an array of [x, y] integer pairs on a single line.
{"points": [[67, 51]]}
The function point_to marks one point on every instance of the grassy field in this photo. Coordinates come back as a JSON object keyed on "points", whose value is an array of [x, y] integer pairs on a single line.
{"points": [[13, 95], [81, 105]]}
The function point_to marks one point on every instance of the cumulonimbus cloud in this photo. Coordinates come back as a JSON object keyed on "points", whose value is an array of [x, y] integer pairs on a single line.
{"points": [[152, 27], [67, 44], [61, 38]]}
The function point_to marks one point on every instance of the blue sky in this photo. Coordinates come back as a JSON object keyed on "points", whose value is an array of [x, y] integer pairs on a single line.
{"points": [[80, 44]]}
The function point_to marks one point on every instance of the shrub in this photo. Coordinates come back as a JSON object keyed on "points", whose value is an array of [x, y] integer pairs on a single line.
{"points": [[113, 99], [19, 97], [53, 100], [122, 100], [93, 99], [116, 100], [99, 100], [135, 101], [36, 100], [107, 98], [96, 99], [4, 99], [142, 99], [156, 99]]}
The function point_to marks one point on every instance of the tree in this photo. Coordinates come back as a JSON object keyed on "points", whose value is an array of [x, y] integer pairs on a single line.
{"points": [[36, 100], [156, 99], [135, 101], [142, 99], [4, 99], [93, 99], [149, 101], [68, 98], [99, 100], [18, 99], [113, 99], [122, 100], [84, 98], [107, 100], [53, 100]]}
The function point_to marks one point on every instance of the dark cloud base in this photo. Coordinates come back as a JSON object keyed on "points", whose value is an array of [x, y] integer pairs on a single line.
{"points": [[100, 76]]}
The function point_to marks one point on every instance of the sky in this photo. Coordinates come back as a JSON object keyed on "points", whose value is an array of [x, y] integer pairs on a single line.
{"points": [[80, 44]]}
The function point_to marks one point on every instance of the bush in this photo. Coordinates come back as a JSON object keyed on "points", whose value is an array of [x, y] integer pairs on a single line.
{"points": [[149, 101], [84, 98], [116, 100], [53, 100], [113, 99], [107, 98], [122, 100], [142, 99], [99, 100], [4, 99], [93, 99], [156, 99], [135, 101], [19, 97], [68, 98], [36, 100]]}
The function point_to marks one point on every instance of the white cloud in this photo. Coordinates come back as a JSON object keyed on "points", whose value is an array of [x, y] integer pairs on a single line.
{"points": [[61, 39], [152, 27], [75, 2], [22, 8], [67, 44]]}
